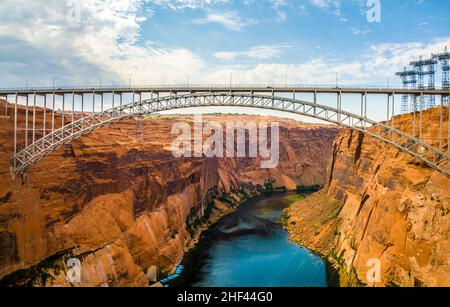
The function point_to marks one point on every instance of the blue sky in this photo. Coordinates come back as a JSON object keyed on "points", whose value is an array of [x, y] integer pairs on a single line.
{"points": [[85, 42], [311, 29]]}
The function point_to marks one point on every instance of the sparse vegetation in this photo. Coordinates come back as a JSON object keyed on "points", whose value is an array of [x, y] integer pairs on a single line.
{"points": [[285, 217], [295, 197], [301, 189], [227, 199], [40, 274]]}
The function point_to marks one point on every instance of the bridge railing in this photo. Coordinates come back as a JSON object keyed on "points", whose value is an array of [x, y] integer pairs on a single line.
{"points": [[188, 87]]}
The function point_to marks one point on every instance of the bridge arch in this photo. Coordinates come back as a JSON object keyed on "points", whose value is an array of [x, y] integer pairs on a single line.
{"points": [[413, 146]]}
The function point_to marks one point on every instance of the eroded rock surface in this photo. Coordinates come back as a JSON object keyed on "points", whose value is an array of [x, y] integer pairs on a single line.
{"points": [[118, 200], [392, 208]]}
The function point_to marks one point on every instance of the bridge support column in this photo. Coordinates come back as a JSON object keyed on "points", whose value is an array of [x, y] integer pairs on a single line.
{"points": [[53, 116], [362, 107], [121, 100], [93, 103], [101, 105], [441, 125], [393, 110], [365, 106], [339, 106], [73, 110], [388, 107], [26, 120], [315, 102], [6, 104], [15, 130], [82, 105], [63, 122], [421, 118], [113, 104], [34, 119], [414, 115], [82, 109], [44, 124]]}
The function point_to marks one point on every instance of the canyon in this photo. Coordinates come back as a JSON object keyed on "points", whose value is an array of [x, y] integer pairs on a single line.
{"points": [[121, 203], [380, 203]]}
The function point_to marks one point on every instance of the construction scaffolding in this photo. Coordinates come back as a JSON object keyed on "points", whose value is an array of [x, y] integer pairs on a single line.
{"points": [[425, 68], [422, 76], [409, 80], [443, 59]]}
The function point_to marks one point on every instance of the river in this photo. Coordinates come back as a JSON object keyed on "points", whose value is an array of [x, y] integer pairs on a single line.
{"points": [[250, 248]]}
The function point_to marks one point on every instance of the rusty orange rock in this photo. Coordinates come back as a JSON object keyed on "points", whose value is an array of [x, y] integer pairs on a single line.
{"points": [[119, 200], [391, 208]]}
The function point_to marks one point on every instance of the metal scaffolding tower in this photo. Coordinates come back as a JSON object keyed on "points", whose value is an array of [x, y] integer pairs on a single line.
{"points": [[425, 68], [444, 58], [409, 77], [431, 82]]}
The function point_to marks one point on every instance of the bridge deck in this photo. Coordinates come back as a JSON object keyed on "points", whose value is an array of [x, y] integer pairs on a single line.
{"points": [[225, 88]]}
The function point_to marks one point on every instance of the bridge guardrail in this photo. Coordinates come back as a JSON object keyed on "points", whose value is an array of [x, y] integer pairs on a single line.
{"points": [[209, 86]]}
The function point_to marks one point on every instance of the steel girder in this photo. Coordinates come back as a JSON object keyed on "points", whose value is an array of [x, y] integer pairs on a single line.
{"points": [[429, 155]]}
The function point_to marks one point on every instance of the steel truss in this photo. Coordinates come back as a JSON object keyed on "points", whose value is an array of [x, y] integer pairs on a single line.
{"points": [[34, 152]]}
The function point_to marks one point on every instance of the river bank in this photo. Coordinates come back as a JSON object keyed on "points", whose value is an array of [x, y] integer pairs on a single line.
{"points": [[221, 206], [313, 222], [250, 247]]}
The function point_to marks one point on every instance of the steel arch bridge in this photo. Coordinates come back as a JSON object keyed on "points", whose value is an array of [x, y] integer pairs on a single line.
{"points": [[37, 150]]}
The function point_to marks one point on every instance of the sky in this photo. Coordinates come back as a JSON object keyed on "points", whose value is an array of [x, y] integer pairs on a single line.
{"points": [[264, 42], [159, 42]]}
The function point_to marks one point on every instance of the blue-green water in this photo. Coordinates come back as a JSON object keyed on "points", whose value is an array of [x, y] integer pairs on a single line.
{"points": [[250, 248]]}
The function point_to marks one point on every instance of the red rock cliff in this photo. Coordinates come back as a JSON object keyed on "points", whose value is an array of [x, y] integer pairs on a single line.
{"points": [[394, 208], [118, 200]]}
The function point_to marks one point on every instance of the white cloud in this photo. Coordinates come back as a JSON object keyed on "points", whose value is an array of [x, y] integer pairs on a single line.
{"points": [[322, 3], [278, 3], [281, 16], [37, 42], [229, 19], [191, 4], [377, 64], [106, 44], [261, 52], [334, 5], [357, 31]]}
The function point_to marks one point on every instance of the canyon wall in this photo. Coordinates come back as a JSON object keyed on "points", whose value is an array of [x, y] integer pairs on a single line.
{"points": [[381, 206], [120, 202]]}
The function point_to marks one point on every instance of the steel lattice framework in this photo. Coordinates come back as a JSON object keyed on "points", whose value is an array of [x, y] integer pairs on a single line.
{"points": [[40, 148]]}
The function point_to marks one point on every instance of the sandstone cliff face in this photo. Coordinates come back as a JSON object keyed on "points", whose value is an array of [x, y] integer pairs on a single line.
{"points": [[304, 153], [118, 200], [394, 208]]}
